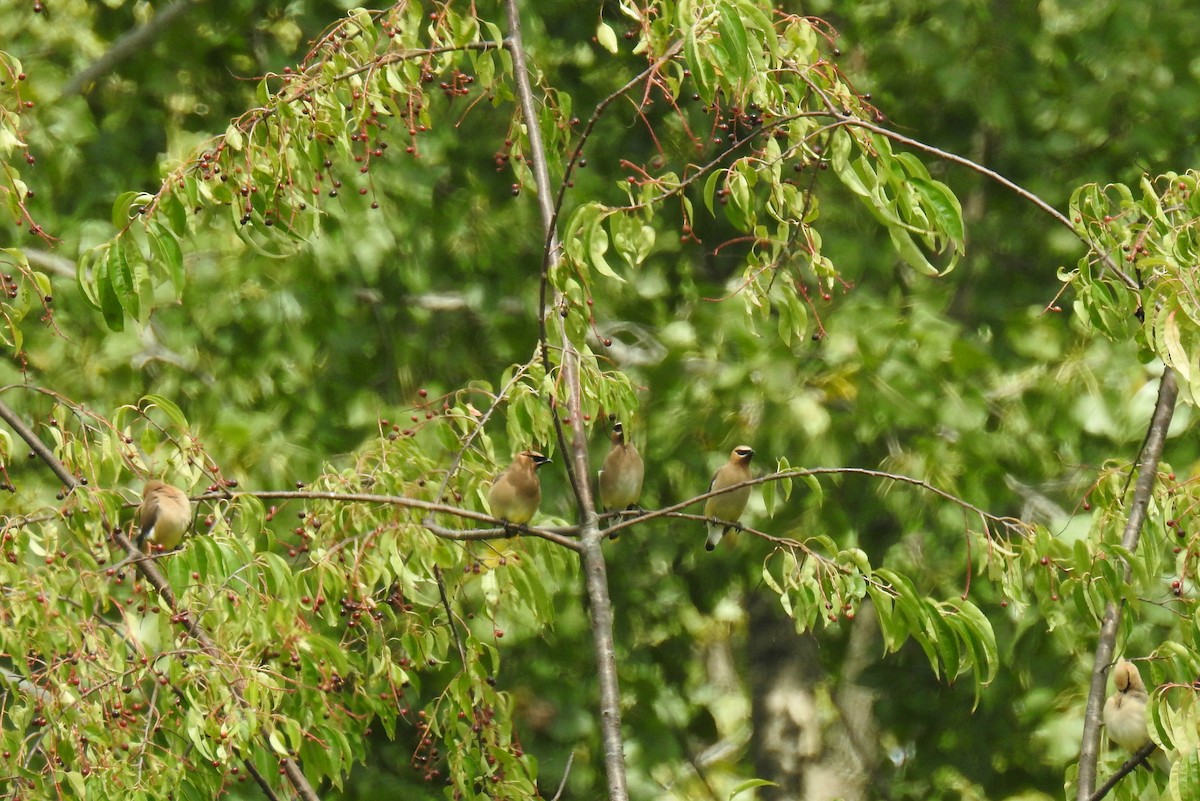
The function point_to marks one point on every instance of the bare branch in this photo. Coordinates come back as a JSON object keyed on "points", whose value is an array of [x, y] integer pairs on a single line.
{"points": [[594, 568], [566, 775], [500, 530], [1130, 766], [37, 446], [1147, 468], [629, 519], [62, 267], [127, 46]]}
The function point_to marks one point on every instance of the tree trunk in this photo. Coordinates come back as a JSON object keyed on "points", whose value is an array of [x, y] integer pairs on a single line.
{"points": [[816, 741]]}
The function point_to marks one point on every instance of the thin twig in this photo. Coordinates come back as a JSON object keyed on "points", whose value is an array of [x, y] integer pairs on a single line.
{"points": [[642, 517], [441, 583], [1147, 467], [479, 424], [1017, 189], [566, 775], [552, 253]]}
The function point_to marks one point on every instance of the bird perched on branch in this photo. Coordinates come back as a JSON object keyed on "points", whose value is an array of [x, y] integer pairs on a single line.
{"points": [[163, 517], [517, 492], [730, 505], [1125, 712], [621, 474]]}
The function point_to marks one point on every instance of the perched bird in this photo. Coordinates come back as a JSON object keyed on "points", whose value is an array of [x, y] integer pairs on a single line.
{"points": [[516, 493], [164, 515], [1125, 712], [730, 505], [621, 474]]}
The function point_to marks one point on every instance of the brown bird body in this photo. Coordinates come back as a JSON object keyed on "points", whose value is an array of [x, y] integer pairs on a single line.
{"points": [[1125, 712], [163, 517], [730, 505], [621, 474], [517, 492]]}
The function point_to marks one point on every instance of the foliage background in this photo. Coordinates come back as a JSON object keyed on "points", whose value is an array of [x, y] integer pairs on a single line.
{"points": [[287, 369]]}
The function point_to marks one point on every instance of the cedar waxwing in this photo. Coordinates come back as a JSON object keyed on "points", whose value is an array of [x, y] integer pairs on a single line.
{"points": [[164, 515], [622, 473], [730, 505], [1125, 712], [516, 493]]}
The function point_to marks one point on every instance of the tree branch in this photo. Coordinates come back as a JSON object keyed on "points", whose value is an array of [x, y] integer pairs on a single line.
{"points": [[630, 519], [1130, 766], [1147, 467], [592, 556], [157, 580], [37, 446], [128, 45], [1017, 189], [50, 262]]}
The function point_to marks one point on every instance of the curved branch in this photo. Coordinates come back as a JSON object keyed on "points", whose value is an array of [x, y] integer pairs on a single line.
{"points": [[987, 517], [1147, 467], [499, 529], [1017, 189]]}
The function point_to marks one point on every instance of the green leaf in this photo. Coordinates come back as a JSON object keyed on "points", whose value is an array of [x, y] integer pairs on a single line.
{"points": [[595, 243], [702, 71], [813, 484], [170, 256], [234, 140], [120, 274], [606, 37], [749, 784], [1184, 784], [733, 37], [768, 497], [910, 252], [109, 301], [168, 407], [946, 209]]}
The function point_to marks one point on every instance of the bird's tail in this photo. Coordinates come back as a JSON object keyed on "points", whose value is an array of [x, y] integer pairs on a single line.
{"points": [[715, 533]]}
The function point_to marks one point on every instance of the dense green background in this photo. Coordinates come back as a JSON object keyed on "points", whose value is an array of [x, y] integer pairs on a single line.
{"points": [[284, 367]]}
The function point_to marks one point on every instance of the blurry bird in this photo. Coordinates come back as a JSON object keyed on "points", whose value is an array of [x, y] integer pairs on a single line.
{"points": [[516, 493], [164, 515], [1125, 712], [621, 474], [730, 505]]}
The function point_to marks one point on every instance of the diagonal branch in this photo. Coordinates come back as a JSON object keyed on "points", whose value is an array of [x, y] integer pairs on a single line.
{"points": [[157, 580], [1130, 766], [1147, 469], [129, 45]]}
